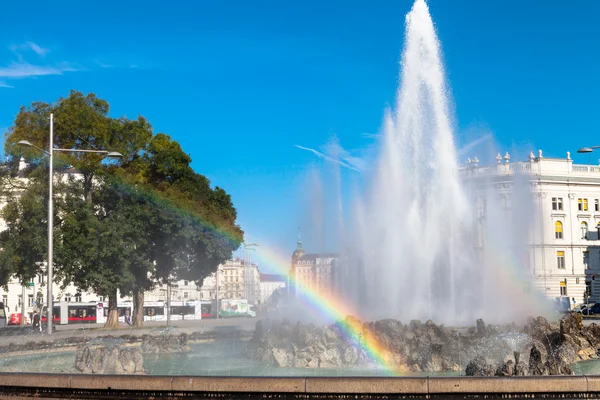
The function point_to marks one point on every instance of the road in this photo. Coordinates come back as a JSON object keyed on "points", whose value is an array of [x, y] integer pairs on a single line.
{"points": [[247, 324], [14, 335]]}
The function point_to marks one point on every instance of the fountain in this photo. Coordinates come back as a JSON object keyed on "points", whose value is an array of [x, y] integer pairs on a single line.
{"points": [[414, 238]]}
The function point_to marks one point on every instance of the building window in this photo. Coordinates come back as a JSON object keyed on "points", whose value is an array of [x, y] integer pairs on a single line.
{"points": [[563, 288], [557, 203], [30, 300], [5, 299], [558, 230], [596, 205], [577, 281], [68, 298], [584, 230], [185, 295], [582, 204], [585, 204], [560, 259], [586, 259], [78, 298], [185, 283]]}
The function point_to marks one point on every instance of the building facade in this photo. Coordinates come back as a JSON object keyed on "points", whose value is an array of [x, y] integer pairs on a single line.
{"points": [[237, 279], [269, 284], [313, 273], [564, 245]]}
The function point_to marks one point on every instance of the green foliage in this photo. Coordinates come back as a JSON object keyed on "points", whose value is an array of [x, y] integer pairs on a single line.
{"points": [[126, 225], [24, 240]]}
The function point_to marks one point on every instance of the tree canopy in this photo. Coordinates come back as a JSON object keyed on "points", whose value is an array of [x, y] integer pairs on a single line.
{"points": [[121, 225]]}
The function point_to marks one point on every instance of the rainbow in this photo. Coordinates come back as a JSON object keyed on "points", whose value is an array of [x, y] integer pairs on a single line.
{"points": [[336, 309], [332, 307]]}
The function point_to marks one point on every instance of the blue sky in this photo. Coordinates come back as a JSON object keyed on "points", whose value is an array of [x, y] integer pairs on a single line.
{"points": [[240, 83]]}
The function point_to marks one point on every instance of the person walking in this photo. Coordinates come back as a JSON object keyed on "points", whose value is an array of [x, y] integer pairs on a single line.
{"points": [[35, 321]]}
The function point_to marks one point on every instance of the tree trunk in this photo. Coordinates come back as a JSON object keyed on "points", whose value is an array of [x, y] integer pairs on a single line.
{"points": [[112, 321], [88, 180], [138, 308]]}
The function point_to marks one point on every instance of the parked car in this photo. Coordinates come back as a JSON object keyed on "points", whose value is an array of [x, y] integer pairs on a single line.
{"points": [[587, 309]]}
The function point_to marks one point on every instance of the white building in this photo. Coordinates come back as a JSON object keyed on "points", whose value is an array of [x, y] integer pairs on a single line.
{"points": [[312, 272], [269, 284], [180, 291], [564, 246], [237, 279]]}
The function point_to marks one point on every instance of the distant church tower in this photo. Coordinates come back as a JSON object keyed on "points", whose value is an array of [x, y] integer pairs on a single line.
{"points": [[299, 252], [296, 255]]}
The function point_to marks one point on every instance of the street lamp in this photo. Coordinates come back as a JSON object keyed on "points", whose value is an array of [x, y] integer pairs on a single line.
{"points": [[587, 149], [50, 154], [247, 247]]}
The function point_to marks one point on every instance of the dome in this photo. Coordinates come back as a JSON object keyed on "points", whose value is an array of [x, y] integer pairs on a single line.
{"points": [[298, 253]]}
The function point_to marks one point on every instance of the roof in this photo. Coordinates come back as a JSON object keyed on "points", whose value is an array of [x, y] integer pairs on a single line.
{"points": [[272, 278]]}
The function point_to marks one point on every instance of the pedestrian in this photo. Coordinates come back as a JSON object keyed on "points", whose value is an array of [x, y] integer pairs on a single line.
{"points": [[128, 317], [35, 321]]}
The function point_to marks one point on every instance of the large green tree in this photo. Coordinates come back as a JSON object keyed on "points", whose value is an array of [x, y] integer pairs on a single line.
{"points": [[126, 226]]}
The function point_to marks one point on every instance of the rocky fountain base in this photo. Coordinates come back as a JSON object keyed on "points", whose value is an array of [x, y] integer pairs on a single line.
{"points": [[106, 356], [109, 356], [482, 350]]}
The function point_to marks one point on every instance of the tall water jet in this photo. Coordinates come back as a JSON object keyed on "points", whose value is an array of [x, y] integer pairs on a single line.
{"points": [[415, 235]]}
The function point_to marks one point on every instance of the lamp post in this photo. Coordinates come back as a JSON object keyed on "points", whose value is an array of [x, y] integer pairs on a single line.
{"points": [[50, 154], [247, 247]]}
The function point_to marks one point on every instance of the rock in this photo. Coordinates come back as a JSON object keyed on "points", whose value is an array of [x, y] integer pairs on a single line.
{"points": [[330, 358], [282, 357], [587, 353], [521, 369], [542, 321], [415, 325], [546, 347], [536, 366], [350, 356], [479, 367], [506, 369], [480, 329], [329, 336], [115, 360], [166, 343], [570, 325]]}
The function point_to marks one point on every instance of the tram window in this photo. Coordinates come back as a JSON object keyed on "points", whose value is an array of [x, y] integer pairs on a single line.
{"points": [[183, 310], [152, 311]]}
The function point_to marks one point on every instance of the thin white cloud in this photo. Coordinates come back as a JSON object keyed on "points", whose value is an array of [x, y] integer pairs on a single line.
{"points": [[103, 65], [25, 70], [341, 162], [5, 85], [467, 147], [36, 48]]}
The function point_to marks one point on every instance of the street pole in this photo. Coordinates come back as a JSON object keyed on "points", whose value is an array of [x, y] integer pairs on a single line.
{"points": [[217, 295], [168, 302], [22, 302], [50, 313], [50, 154]]}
